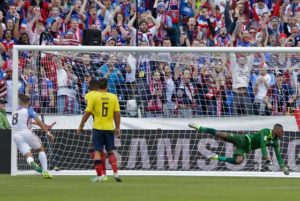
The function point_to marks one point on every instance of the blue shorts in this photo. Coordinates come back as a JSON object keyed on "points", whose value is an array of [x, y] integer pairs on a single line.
{"points": [[103, 139]]}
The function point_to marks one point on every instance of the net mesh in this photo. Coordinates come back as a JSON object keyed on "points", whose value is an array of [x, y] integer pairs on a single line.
{"points": [[163, 85]]}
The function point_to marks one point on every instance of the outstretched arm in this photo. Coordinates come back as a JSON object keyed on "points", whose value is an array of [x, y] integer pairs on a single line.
{"points": [[279, 159], [43, 127]]}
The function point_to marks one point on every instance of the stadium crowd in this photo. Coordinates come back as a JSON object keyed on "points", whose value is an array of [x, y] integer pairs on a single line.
{"points": [[166, 85]]}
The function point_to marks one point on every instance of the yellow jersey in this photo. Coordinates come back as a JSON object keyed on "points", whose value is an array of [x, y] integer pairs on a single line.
{"points": [[102, 105]]}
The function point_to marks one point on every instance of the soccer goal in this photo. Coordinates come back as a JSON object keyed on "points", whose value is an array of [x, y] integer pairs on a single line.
{"points": [[161, 90]]}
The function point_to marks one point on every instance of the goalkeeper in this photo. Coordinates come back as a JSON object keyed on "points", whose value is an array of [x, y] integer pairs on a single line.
{"points": [[245, 143]]}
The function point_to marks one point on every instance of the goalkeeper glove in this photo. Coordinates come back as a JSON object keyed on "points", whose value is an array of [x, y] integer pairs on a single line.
{"points": [[285, 170]]}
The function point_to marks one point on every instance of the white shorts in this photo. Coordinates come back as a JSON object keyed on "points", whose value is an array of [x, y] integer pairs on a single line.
{"points": [[27, 140]]}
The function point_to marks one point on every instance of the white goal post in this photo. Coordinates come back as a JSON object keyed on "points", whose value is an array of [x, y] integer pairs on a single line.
{"points": [[153, 143]]}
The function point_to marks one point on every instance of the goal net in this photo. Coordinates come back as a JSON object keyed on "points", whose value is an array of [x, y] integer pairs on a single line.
{"points": [[161, 90]]}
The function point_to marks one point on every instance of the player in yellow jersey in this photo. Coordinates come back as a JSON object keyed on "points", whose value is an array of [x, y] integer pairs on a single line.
{"points": [[105, 108], [93, 85]]}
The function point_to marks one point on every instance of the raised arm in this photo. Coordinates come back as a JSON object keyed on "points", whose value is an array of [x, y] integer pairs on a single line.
{"points": [[124, 32], [82, 10], [131, 22], [102, 7], [43, 127], [105, 32], [156, 22], [28, 29], [16, 32], [68, 17], [279, 159]]}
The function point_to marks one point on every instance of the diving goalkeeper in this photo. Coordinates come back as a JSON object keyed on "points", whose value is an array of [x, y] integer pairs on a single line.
{"points": [[245, 143]]}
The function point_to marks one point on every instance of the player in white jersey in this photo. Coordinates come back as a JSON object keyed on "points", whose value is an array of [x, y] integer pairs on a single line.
{"points": [[26, 139]]}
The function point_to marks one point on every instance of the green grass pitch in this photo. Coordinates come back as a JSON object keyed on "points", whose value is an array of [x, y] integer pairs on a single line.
{"points": [[154, 188]]}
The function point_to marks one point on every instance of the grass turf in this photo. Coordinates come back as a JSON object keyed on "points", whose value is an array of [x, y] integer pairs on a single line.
{"points": [[159, 188]]}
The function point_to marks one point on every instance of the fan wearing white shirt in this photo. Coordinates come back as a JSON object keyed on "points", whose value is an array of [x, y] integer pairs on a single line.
{"points": [[262, 84]]}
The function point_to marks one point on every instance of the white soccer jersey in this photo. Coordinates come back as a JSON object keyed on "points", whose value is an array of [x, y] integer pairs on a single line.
{"points": [[24, 138], [21, 119]]}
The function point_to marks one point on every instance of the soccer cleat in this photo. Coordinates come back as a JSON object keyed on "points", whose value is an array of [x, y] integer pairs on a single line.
{"points": [[105, 178], [286, 170], [47, 175], [97, 179], [36, 167], [118, 179], [194, 125], [214, 157], [94, 179]]}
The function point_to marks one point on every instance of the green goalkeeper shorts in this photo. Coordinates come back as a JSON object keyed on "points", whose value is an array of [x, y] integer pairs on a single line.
{"points": [[241, 145]]}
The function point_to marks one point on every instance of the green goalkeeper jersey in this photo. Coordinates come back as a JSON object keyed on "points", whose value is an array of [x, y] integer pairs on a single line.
{"points": [[262, 139]]}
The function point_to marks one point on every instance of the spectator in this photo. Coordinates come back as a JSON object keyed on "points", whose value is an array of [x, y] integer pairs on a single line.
{"points": [[220, 77], [111, 41], [76, 13], [169, 92], [112, 73], [84, 65], [67, 102], [53, 35], [277, 98], [190, 34], [93, 18], [206, 24], [262, 84], [173, 12], [144, 32], [109, 11], [4, 124], [222, 39], [8, 43], [155, 104], [35, 27], [24, 39], [187, 10], [3, 85], [40, 89], [241, 67], [260, 8], [274, 26], [69, 39], [121, 28], [130, 77], [165, 28], [186, 95], [209, 91]]}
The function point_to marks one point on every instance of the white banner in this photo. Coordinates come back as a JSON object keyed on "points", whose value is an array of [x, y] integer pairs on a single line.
{"points": [[251, 123]]}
